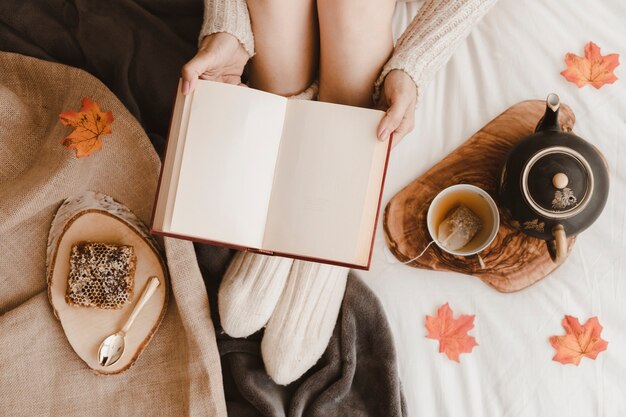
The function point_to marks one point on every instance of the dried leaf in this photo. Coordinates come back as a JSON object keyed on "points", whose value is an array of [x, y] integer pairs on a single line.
{"points": [[593, 68], [451, 333], [578, 341], [89, 124]]}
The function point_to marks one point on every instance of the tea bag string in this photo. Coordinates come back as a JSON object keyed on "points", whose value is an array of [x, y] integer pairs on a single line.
{"points": [[421, 254], [481, 262], [444, 243]]}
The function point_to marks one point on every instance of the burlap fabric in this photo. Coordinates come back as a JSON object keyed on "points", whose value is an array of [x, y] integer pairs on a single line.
{"points": [[179, 373]]}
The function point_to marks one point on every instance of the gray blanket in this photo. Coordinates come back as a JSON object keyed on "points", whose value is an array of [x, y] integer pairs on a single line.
{"points": [[356, 376], [137, 49]]}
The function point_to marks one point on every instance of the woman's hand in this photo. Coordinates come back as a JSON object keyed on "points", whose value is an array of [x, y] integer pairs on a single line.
{"points": [[398, 98], [221, 57]]}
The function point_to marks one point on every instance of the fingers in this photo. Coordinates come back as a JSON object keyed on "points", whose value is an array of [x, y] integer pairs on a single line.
{"points": [[390, 121], [399, 119], [193, 69], [231, 79], [223, 78], [406, 125]]}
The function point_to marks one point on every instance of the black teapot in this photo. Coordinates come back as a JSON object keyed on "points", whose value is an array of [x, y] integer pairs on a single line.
{"points": [[553, 184]]}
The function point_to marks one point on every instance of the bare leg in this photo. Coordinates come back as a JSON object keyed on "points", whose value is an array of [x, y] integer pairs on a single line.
{"points": [[287, 45], [355, 42]]}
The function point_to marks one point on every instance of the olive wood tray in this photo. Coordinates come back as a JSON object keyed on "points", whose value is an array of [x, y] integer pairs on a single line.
{"points": [[514, 260], [96, 217]]}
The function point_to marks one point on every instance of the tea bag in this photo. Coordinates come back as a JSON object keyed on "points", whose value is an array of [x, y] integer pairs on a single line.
{"points": [[459, 228]]}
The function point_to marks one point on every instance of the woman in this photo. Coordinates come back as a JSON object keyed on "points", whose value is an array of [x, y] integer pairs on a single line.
{"points": [[286, 45]]}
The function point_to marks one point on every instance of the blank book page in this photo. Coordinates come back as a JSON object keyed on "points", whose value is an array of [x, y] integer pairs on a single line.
{"points": [[322, 180], [228, 164]]}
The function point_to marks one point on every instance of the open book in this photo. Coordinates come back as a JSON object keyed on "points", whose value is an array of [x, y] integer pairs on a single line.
{"points": [[253, 170]]}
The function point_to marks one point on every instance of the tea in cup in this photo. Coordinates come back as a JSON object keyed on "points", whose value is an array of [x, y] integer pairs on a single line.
{"points": [[463, 220]]}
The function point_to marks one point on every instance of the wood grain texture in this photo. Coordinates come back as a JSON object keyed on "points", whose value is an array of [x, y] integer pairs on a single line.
{"points": [[95, 217], [514, 260]]}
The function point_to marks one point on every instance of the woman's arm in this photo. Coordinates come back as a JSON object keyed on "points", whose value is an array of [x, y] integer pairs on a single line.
{"points": [[229, 16], [432, 37], [421, 51], [224, 47]]}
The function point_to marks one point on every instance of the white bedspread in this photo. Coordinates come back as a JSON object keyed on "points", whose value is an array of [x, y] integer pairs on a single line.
{"points": [[516, 53]]}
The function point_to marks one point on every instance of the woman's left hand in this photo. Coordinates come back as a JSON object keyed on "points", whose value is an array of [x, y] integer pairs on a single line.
{"points": [[398, 98]]}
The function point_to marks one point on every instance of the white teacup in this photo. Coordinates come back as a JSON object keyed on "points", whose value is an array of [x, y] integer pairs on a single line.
{"points": [[477, 200]]}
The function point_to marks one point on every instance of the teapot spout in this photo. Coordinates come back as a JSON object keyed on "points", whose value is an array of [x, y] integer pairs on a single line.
{"points": [[550, 119]]}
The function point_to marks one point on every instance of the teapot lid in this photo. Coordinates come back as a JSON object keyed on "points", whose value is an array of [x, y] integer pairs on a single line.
{"points": [[557, 182]]}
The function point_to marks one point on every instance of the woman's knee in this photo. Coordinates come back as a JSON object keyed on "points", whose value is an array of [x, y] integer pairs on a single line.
{"points": [[356, 41], [349, 14], [287, 44]]}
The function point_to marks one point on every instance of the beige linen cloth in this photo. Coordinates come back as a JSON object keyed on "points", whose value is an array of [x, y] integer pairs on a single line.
{"points": [[179, 373]]}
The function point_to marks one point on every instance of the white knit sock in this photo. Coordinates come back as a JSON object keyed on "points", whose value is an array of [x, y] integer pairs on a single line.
{"points": [[310, 93], [300, 327], [250, 290]]}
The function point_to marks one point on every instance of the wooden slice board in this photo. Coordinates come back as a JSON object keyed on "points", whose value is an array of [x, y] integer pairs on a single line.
{"points": [[95, 217], [514, 260]]}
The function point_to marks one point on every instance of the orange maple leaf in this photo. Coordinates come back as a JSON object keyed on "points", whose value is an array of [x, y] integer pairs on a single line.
{"points": [[90, 124], [451, 333], [593, 68], [578, 341]]}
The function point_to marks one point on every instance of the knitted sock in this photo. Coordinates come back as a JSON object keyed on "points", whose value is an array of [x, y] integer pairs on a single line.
{"points": [[310, 93], [300, 327], [250, 290]]}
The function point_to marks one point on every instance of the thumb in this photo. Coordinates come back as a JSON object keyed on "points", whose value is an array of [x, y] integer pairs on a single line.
{"points": [[392, 119], [191, 70]]}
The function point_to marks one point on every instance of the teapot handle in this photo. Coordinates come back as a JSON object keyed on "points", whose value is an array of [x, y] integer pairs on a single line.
{"points": [[560, 242]]}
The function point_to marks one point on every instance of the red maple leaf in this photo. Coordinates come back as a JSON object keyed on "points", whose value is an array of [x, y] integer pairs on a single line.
{"points": [[579, 341], [593, 68], [451, 333], [89, 124]]}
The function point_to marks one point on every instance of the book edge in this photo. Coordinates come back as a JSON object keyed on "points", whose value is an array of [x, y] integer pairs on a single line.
{"points": [[259, 250], [380, 200], [165, 152]]}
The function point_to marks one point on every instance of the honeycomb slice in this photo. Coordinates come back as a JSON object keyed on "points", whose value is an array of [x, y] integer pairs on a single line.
{"points": [[101, 275]]}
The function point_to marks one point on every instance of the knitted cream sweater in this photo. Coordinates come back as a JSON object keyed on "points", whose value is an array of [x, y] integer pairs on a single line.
{"points": [[421, 51]]}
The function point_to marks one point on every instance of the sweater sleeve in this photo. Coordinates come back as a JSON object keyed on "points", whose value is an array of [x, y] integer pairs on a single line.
{"points": [[431, 38], [230, 16]]}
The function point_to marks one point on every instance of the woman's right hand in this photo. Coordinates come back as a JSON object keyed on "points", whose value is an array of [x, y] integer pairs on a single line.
{"points": [[221, 57]]}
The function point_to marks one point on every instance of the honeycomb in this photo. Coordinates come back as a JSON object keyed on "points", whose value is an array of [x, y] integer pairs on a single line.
{"points": [[101, 275]]}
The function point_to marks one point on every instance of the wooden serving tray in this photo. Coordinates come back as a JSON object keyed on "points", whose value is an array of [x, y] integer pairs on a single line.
{"points": [[96, 217], [514, 260]]}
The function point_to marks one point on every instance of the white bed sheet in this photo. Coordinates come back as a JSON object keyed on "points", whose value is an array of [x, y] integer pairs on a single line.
{"points": [[515, 53]]}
